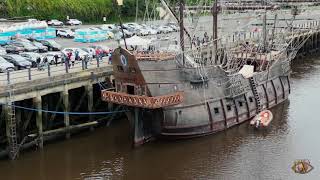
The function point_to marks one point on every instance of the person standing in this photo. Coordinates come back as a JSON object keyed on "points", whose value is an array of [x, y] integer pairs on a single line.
{"points": [[85, 60], [69, 54], [77, 57], [56, 59], [38, 62]]}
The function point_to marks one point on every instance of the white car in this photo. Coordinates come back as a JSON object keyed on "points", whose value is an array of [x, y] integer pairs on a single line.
{"points": [[50, 57], [90, 51], [82, 53], [73, 22], [65, 33], [109, 27], [3, 50], [151, 30], [31, 55], [55, 22], [142, 32], [165, 29], [5, 65], [32, 20]]}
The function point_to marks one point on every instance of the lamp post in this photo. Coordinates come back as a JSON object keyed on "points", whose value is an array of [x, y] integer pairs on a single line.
{"points": [[120, 3]]}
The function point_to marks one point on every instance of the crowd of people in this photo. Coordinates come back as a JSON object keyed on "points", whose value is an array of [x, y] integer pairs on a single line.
{"points": [[196, 41], [69, 61]]}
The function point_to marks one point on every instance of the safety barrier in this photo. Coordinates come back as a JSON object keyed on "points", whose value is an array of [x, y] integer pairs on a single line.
{"points": [[50, 70]]}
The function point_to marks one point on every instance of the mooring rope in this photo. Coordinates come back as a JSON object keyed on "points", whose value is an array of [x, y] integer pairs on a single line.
{"points": [[62, 112]]}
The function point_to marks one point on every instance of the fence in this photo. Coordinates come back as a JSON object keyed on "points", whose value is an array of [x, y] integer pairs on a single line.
{"points": [[50, 70]]}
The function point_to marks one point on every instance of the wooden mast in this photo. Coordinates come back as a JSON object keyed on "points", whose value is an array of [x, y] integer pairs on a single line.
{"points": [[181, 6], [215, 30]]}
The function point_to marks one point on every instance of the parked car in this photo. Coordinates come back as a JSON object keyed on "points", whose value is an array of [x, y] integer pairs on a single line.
{"points": [[51, 44], [26, 45], [3, 50], [50, 57], [5, 65], [82, 53], [32, 20], [151, 30], [90, 51], [18, 61], [67, 33], [31, 56], [10, 48], [165, 29], [40, 46], [73, 22], [142, 32], [109, 27], [55, 22], [174, 27], [101, 49]]}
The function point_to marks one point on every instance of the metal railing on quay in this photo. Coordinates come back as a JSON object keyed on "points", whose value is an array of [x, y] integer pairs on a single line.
{"points": [[49, 70]]}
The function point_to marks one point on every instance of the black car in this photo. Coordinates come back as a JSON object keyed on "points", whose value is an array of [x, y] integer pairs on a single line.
{"points": [[51, 44], [18, 61]]}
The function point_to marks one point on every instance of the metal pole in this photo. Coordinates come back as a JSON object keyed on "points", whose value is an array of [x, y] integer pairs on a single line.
{"points": [[8, 77], [181, 29], [29, 73], [66, 65], [121, 26], [264, 30], [49, 73]]}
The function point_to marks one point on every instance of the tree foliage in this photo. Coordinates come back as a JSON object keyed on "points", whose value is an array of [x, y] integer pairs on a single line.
{"points": [[85, 10]]}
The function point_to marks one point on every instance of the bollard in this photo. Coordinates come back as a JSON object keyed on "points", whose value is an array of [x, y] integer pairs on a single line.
{"points": [[66, 66], [8, 77], [82, 64], [49, 73], [29, 73], [98, 63]]}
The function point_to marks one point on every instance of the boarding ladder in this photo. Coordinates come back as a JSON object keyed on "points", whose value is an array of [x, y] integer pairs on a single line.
{"points": [[12, 125], [256, 94]]}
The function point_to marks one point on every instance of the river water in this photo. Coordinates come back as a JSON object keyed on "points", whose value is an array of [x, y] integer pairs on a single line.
{"points": [[238, 153]]}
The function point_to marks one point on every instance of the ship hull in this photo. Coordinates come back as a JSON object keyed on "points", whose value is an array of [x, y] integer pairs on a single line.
{"points": [[213, 99], [278, 93]]}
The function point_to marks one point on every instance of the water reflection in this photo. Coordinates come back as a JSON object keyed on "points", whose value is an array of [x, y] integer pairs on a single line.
{"points": [[239, 153]]}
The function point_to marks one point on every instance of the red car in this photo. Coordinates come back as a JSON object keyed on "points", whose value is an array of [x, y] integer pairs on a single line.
{"points": [[101, 49]]}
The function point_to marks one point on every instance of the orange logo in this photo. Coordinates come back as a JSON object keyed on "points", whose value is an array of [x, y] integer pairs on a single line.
{"points": [[302, 166]]}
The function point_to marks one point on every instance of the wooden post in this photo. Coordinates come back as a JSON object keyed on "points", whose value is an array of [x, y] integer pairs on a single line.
{"points": [[6, 111], [89, 91], [38, 105], [65, 96]]}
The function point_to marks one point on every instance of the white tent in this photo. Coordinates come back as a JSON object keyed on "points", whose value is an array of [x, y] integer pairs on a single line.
{"points": [[247, 71], [136, 41]]}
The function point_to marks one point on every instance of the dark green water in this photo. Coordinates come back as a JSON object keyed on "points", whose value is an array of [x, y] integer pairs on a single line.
{"points": [[238, 153]]}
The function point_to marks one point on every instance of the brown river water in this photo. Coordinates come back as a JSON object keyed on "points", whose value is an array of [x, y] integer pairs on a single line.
{"points": [[238, 153]]}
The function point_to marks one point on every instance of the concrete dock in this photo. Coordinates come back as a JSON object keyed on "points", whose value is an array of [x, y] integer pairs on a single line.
{"points": [[55, 90]]}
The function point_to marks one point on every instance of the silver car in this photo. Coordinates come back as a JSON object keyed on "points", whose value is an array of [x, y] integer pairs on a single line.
{"points": [[5, 65], [18, 61]]}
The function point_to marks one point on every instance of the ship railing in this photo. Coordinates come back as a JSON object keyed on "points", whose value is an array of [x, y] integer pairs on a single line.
{"points": [[154, 102], [154, 56]]}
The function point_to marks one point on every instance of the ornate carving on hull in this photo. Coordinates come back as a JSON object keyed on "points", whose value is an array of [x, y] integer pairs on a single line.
{"points": [[143, 101]]}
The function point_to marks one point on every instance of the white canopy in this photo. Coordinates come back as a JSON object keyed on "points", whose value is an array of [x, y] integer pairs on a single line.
{"points": [[136, 41], [247, 71]]}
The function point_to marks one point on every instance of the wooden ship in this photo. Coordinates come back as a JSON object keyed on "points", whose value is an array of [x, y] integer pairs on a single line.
{"points": [[187, 95]]}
